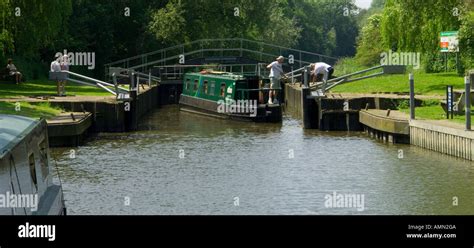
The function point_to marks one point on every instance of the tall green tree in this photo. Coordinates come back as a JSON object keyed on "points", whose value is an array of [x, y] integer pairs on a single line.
{"points": [[328, 27], [37, 25], [6, 36], [181, 21], [414, 26], [369, 45]]}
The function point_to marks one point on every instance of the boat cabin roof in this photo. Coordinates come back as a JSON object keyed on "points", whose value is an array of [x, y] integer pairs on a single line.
{"points": [[216, 74], [12, 130]]}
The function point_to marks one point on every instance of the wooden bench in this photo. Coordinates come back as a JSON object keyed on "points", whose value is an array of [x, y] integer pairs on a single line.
{"points": [[5, 75]]}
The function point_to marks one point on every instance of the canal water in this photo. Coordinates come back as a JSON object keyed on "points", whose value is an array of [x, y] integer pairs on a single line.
{"points": [[181, 163]]}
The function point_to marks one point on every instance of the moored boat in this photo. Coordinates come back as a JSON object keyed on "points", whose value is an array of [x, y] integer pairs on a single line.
{"points": [[227, 95], [26, 181]]}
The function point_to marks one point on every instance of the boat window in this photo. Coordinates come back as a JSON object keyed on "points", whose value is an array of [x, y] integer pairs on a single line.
{"points": [[195, 88], [31, 160], [186, 86], [222, 89], [12, 177], [204, 87], [44, 159], [213, 88]]}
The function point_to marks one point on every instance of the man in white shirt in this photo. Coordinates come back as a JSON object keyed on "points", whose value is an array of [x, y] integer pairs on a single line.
{"points": [[64, 67], [276, 71], [323, 69], [56, 67]]}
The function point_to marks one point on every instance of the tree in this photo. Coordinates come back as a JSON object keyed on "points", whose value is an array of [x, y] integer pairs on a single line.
{"points": [[414, 26], [6, 37], [466, 36], [328, 27], [181, 21], [35, 27], [369, 45]]}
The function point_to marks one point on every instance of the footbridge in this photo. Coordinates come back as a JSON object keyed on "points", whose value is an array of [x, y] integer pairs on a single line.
{"points": [[231, 54]]}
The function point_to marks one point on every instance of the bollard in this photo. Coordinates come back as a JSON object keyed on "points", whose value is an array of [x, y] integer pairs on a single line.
{"points": [[412, 96], [468, 102], [149, 79], [137, 88]]}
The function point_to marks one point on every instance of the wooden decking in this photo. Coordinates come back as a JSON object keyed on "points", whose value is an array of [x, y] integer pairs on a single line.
{"points": [[68, 129]]}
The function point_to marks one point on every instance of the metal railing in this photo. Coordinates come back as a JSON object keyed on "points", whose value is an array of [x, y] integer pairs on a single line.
{"points": [[324, 86], [208, 48], [114, 89], [176, 72], [133, 76]]}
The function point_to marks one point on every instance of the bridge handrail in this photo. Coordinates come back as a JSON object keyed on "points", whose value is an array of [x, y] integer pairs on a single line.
{"points": [[203, 50], [242, 40]]}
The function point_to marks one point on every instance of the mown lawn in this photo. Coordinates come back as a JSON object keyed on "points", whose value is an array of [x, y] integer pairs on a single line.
{"points": [[47, 87], [425, 83], [431, 110], [33, 110]]}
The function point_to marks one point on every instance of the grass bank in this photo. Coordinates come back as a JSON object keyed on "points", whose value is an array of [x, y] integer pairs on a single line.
{"points": [[32, 110], [46, 87], [425, 84], [430, 110]]}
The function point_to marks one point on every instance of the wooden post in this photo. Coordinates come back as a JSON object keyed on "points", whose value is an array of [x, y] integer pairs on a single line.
{"points": [[412, 97], [467, 87]]}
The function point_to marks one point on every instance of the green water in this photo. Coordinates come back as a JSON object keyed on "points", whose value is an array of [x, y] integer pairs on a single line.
{"points": [[181, 163]]}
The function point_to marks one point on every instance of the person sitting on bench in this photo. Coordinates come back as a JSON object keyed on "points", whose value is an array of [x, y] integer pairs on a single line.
{"points": [[323, 69], [13, 71]]}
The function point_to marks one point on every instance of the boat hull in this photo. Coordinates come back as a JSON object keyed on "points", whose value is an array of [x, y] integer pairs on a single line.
{"points": [[264, 112]]}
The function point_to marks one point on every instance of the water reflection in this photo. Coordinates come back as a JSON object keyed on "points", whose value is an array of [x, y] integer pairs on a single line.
{"points": [[181, 163]]}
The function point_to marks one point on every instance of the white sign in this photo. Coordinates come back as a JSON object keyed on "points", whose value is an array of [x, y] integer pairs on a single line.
{"points": [[449, 42]]}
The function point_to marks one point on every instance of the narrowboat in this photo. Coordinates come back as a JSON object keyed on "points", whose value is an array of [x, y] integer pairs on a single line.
{"points": [[227, 95], [26, 181]]}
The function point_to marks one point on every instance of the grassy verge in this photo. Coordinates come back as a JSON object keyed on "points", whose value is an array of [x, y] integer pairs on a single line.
{"points": [[46, 87], [32, 110], [425, 83], [431, 110]]}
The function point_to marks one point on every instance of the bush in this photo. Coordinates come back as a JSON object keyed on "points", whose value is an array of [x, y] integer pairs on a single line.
{"points": [[347, 65], [369, 44]]}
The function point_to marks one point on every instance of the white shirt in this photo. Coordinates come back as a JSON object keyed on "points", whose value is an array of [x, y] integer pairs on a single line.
{"points": [[321, 68], [276, 70], [55, 66]]}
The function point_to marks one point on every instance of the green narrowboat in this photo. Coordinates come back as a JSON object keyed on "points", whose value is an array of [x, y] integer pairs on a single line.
{"points": [[227, 95]]}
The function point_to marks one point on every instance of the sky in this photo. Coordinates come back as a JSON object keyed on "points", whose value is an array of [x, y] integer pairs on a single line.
{"points": [[365, 4]]}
